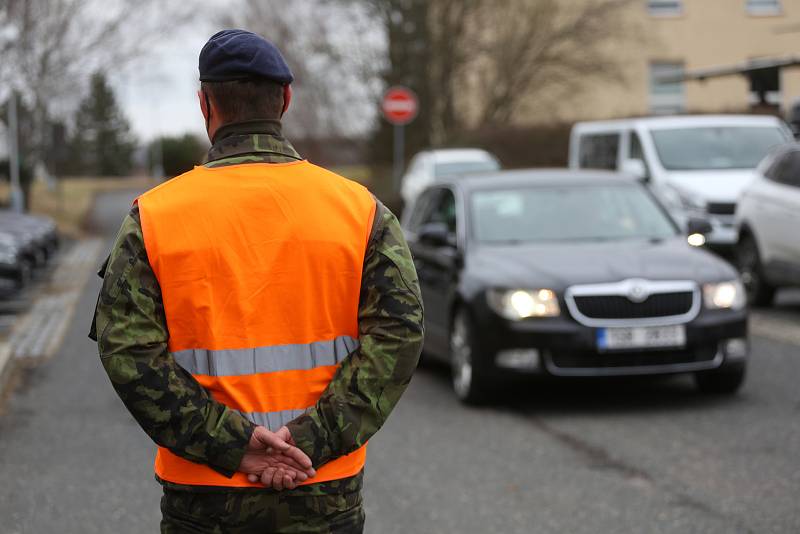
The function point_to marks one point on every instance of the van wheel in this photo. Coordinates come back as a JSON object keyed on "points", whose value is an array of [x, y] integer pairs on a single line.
{"points": [[748, 261], [468, 381], [726, 380]]}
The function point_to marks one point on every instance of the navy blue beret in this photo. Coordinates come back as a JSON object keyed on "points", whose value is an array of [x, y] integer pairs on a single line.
{"points": [[241, 55]]}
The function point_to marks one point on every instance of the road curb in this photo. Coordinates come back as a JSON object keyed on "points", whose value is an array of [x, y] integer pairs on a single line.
{"points": [[37, 333], [7, 369]]}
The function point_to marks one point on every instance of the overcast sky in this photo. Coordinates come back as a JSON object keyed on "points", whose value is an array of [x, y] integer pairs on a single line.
{"points": [[158, 92]]}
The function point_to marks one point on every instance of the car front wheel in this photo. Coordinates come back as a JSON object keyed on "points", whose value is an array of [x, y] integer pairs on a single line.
{"points": [[469, 383], [748, 261]]}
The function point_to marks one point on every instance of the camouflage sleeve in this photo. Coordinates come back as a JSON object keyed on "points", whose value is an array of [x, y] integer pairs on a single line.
{"points": [[166, 401], [369, 383]]}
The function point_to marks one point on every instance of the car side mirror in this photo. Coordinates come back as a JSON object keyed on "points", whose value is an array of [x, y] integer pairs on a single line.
{"points": [[635, 168], [436, 234], [698, 225]]}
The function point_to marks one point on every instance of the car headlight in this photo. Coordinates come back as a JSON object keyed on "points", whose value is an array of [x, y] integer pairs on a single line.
{"points": [[518, 304], [724, 296]]}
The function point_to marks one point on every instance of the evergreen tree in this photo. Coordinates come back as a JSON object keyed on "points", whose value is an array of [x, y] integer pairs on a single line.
{"points": [[178, 154], [102, 144]]}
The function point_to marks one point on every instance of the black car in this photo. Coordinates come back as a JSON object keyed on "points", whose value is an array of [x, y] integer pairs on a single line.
{"points": [[572, 274], [36, 235], [15, 265]]}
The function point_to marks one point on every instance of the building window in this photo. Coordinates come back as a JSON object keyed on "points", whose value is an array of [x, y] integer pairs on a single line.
{"points": [[765, 87], [664, 7], [764, 7], [667, 94]]}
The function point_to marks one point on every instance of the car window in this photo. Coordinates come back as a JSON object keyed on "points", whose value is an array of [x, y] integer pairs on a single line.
{"points": [[464, 167], [421, 210], [717, 147], [787, 169], [567, 213], [599, 151], [444, 211]]}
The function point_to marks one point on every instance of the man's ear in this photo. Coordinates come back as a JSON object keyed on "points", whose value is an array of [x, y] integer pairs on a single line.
{"points": [[203, 103], [287, 98]]}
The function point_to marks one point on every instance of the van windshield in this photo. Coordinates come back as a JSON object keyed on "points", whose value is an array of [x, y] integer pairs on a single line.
{"points": [[718, 147]]}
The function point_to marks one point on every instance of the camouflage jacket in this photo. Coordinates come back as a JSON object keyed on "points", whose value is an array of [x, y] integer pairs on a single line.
{"points": [[179, 414]]}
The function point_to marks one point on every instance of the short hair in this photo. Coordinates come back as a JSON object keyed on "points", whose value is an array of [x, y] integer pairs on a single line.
{"points": [[244, 100]]}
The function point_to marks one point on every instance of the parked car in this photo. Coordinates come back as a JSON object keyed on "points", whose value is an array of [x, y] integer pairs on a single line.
{"points": [[571, 274], [15, 266], [36, 236], [431, 165], [697, 166], [768, 220]]}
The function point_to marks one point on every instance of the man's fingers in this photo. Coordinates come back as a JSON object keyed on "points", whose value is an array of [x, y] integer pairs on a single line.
{"points": [[252, 478], [298, 456], [285, 435], [290, 462], [267, 476], [269, 439], [288, 483], [277, 479]]}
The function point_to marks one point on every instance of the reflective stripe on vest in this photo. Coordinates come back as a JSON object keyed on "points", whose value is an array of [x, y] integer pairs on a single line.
{"points": [[260, 271]]}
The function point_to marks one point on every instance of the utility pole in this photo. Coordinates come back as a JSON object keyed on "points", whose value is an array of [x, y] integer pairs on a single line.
{"points": [[17, 198]]}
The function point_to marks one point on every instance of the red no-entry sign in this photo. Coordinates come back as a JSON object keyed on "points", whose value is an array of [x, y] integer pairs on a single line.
{"points": [[399, 105]]}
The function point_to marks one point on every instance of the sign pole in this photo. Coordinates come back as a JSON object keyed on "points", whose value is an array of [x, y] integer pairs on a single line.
{"points": [[399, 107], [399, 154], [17, 200]]}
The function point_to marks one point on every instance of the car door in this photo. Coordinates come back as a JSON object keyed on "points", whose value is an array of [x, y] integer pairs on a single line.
{"points": [[437, 267], [786, 217]]}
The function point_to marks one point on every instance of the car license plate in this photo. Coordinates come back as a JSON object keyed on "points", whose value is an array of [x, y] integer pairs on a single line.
{"points": [[641, 337]]}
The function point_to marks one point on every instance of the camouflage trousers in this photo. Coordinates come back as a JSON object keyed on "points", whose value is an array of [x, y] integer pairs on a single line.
{"points": [[248, 512]]}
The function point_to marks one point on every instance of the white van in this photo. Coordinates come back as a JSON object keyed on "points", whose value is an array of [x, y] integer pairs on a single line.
{"points": [[698, 165], [430, 165]]}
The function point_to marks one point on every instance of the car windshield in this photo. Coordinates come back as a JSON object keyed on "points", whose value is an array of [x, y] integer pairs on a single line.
{"points": [[567, 213], [722, 147], [465, 167]]}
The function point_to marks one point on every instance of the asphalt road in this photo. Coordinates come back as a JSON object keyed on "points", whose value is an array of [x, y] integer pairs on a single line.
{"points": [[614, 456]]}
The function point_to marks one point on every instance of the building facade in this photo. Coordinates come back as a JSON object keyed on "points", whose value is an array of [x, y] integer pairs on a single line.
{"points": [[670, 38]]}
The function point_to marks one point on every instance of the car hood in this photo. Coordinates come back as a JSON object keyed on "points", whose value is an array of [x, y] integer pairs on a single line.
{"points": [[557, 266], [712, 185]]}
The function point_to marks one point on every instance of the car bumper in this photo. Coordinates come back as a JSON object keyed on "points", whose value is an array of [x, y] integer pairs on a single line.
{"points": [[11, 277], [562, 347], [723, 234]]}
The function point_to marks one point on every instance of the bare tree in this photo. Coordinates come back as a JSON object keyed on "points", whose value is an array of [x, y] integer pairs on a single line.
{"points": [[452, 47], [334, 54], [532, 48], [51, 47]]}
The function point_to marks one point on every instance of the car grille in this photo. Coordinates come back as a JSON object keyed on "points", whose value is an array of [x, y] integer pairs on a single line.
{"points": [[634, 302], [721, 208], [620, 307], [594, 360]]}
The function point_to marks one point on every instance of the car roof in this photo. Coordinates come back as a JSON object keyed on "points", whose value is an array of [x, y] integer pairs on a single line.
{"points": [[450, 155], [537, 178], [680, 121]]}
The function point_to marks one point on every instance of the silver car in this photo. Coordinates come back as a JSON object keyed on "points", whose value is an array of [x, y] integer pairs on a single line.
{"points": [[768, 219]]}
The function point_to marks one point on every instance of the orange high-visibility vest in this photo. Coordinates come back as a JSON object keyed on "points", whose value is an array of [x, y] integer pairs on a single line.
{"points": [[260, 270]]}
